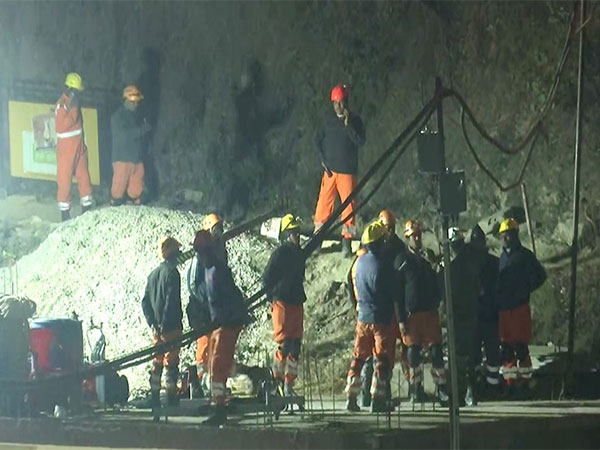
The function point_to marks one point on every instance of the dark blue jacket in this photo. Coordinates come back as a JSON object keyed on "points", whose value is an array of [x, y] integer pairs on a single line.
{"points": [[225, 300], [162, 298], [338, 144], [375, 283], [520, 273], [283, 278], [418, 286], [488, 277]]}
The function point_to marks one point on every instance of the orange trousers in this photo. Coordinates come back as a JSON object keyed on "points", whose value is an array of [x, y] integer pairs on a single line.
{"points": [[371, 340], [515, 335], [287, 321], [72, 159], [170, 358], [423, 329], [202, 355], [127, 177], [222, 348], [338, 183]]}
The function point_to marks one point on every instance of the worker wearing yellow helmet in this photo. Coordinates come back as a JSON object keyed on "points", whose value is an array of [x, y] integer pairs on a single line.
{"points": [[129, 130], [161, 305], [418, 302], [376, 289], [520, 273], [283, 281], [71, 151]]}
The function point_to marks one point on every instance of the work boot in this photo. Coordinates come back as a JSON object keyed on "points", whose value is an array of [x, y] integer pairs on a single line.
{"points": [[65, 215], [346, 247], [380, 405], [366, 398], [172, 398], [218, 418], [352, 405], [441, 395], [417, 394], [85, 209], [470, 397]]}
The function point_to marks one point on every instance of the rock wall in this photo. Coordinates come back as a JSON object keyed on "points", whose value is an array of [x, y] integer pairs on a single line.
{"points": [[236, 90]]}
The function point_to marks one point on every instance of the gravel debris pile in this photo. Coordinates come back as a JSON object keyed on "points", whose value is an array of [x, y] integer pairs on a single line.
{"points": [[96, 265]]}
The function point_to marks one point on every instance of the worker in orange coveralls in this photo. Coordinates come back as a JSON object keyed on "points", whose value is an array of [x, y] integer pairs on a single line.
{"points": [[338, 140], [283, 281], [71, 152], [228, 314], [128, 130], [161, 305]]}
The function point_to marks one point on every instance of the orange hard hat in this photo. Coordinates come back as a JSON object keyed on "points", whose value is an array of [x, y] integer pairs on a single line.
{"points": [[339, 93], [387, 218], [412, 227], [133, 94], [202, 240], [210, 221]]}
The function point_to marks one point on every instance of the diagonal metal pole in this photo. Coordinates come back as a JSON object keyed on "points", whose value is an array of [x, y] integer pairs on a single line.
{"points": [[453, 409], [576, 188]]}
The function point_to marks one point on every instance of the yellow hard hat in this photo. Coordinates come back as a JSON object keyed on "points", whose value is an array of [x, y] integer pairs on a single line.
{"points": [[168, 245], [508, 224], [411, 227], [133, 94], [74, 81], [289, 222], [210, 221], [373, 232]]}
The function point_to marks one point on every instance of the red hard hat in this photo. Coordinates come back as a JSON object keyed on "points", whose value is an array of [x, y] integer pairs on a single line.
{"points": [[339, 93]]}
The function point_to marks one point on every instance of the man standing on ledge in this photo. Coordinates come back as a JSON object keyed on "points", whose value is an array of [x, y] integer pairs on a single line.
{"points": [[71, 151], [338, 141]]}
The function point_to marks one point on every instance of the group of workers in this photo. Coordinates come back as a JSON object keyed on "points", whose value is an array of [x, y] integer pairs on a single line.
{"points": [[129, 130], [394, 283]]}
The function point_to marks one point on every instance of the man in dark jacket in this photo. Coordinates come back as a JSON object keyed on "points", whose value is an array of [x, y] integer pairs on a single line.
{"points": [[464, 273], [338, 141], [519, 275], [487, 329], [283, 281], [128, 130], [375, 285], [162, 309], [228, 314], [417, 311]]}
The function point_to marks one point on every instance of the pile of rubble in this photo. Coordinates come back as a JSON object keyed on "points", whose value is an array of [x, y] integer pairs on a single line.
{"points": [[96, 267]]}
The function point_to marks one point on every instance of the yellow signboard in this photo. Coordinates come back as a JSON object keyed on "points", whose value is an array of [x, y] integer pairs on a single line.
{"points": [[33, 141]]}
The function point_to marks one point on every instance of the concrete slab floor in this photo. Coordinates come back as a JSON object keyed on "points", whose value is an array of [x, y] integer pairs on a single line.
{"points": [[491, 425]]}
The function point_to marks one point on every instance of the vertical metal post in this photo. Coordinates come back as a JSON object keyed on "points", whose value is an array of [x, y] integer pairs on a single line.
{"points": [[333, 385], [576, 186], [453, 409], [528, 216]]}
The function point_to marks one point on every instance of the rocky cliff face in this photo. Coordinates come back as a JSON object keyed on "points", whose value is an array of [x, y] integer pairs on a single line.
{"points": [[235, 91]]}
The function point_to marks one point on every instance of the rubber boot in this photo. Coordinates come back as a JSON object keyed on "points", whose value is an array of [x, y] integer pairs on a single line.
{"points": [[380, 405], [65, 215], [85, 209], [346, 248], [470, 397], [218, 418], [352, 404], [155, 405]]}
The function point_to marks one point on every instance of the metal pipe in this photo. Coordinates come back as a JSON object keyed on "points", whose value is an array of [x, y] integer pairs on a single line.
{"points": [[576, 189], [528, 216], [453, 410]]}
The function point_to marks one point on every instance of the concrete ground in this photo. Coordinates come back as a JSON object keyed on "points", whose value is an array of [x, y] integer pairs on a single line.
{"points": [[492, 425]]}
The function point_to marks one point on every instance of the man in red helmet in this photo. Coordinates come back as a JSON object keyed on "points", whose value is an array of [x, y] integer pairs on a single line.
{"points": [[338, 141]]}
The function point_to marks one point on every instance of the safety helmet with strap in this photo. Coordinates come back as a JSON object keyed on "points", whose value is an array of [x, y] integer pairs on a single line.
{"points": [[373, 232], [211, 221], [508, 224], [289, 222], [339, 93], [74, 81]]}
